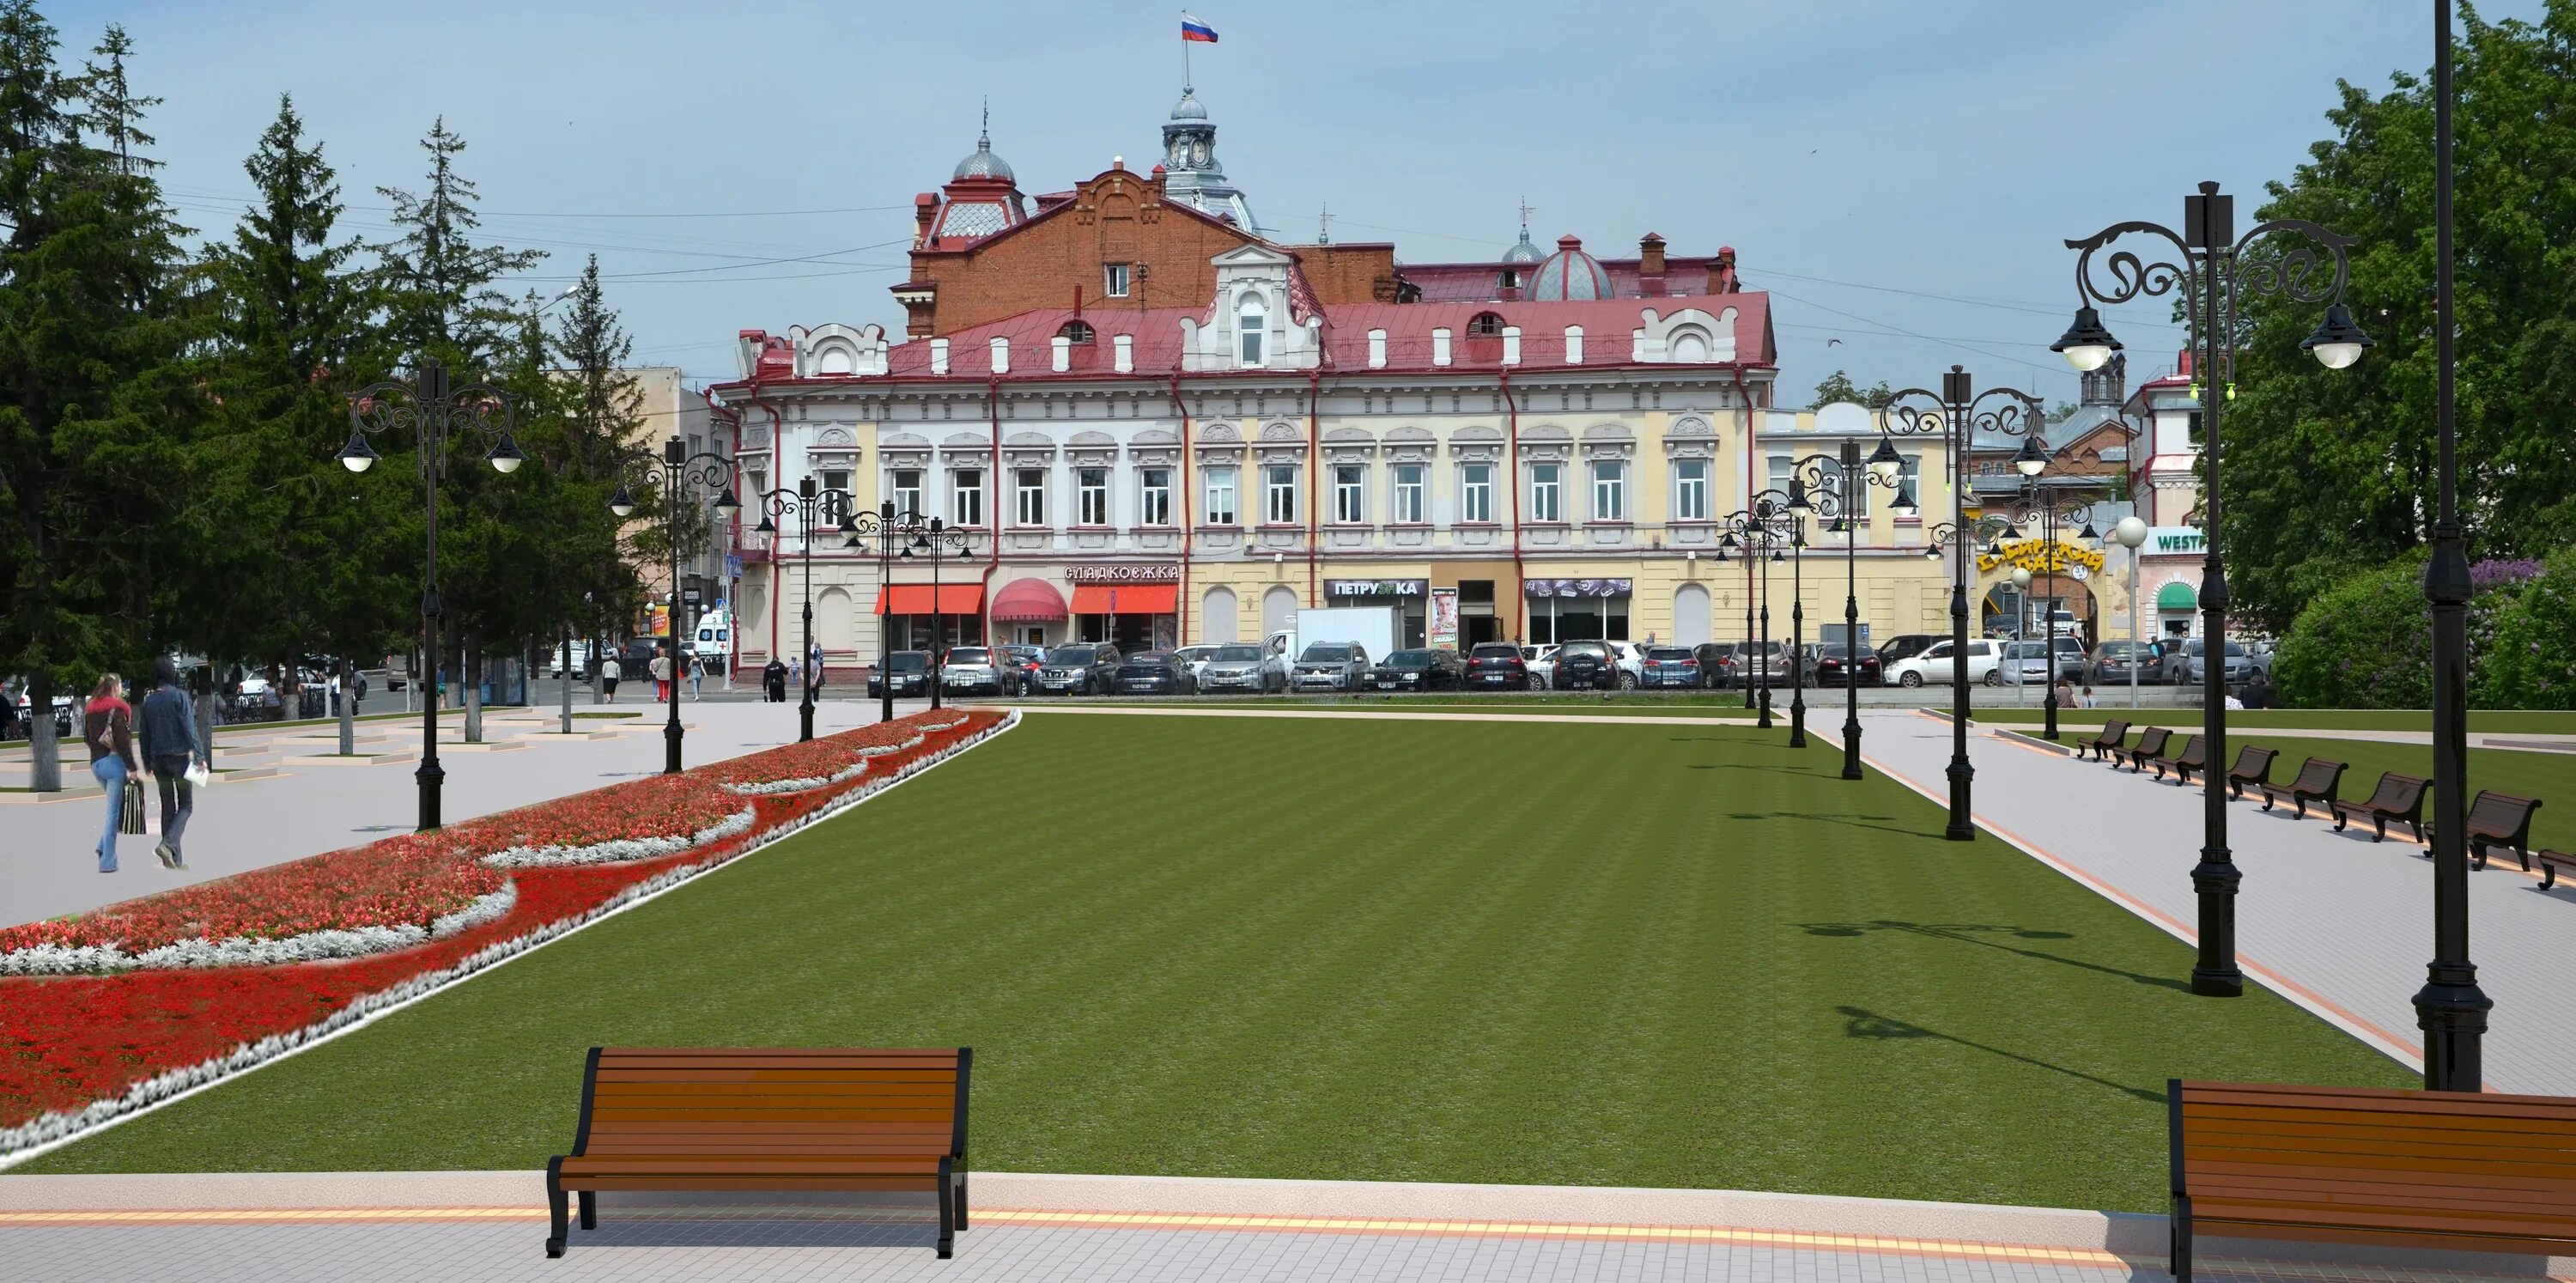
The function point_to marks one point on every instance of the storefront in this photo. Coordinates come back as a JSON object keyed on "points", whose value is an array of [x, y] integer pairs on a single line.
{"points": [[1564, 610], [1134, 607], [2176, 609], [1030, 611], [918, 620], [1412, 596]]}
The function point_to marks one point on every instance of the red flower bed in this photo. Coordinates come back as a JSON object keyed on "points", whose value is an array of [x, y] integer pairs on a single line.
{"points": [[816, 760], [650, 806], [407, 880], [103, 1044]]}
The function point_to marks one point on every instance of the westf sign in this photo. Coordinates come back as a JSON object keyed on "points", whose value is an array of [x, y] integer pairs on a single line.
{"points": [[2176, 539], [1166, 573]]}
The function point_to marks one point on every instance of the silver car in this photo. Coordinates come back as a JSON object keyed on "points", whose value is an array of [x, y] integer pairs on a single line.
{"points": [[2194, 668], [1331, 666], [970, 670], [1239, 668]]}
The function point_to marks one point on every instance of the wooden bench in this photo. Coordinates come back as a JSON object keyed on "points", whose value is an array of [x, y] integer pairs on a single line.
{"points": [[2151, 741], [2253, 766], [2416, 1169], [2193, 757], [2102, 746], [2501, 819], [2550, 863], [733, 1119], [2398, 797], [2318, 782]]}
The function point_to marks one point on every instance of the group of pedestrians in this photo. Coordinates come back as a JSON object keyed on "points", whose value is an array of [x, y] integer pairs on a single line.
{"points": [[661, 669], [170, 750], [774, 675]]}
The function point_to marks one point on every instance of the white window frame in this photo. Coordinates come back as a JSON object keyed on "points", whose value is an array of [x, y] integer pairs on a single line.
{"points": [[1028, 496], [1220, 496], [1251, 325], [1547, 492], [1690, 493], [1476, 492], [1279, 494], [907, 497], [966, 497], [1350, 494], [1609, 490], [1115, 278], [1408, 506], [1091, 496], [1154, 496]]}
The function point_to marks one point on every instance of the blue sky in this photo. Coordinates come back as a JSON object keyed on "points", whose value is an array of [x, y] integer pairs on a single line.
{"points": [[1901, 176]]}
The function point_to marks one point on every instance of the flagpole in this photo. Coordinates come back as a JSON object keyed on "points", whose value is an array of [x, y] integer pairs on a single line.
{"points": [[1185, 55]]}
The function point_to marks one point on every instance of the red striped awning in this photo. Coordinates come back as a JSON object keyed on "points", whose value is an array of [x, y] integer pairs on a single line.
{"points": [[914, 599], [1028, 601], [1126, 599]]}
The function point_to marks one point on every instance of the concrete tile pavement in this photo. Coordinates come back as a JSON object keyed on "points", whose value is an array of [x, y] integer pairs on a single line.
{"points": [[316, 801], [2332, 920]]}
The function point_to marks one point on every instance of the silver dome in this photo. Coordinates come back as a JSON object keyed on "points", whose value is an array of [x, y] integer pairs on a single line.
{"points": [[1189, 107], [983, 164], [1570, 274], [1523, 252]]}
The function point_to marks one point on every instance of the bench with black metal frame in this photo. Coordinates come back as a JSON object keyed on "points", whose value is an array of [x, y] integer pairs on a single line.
{"points": [[2319, 780], [767, 1119], [2551, 862], [2253, 766], [2194, 755], [2151, 742], [2413, 1169], [2398, 797], [2101, 746], [2500, 819]]}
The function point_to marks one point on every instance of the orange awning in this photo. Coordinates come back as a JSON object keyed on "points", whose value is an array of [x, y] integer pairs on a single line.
{"points": [[1126, 599], [914, 599]]}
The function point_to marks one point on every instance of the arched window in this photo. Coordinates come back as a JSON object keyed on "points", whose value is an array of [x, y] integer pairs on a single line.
{"points": [[1251, 319], [1486, 325], [1076, 330], [1690, 345]]}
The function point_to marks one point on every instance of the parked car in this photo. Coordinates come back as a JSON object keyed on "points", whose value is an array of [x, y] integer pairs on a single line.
{"points": [[2108, 664], [1196, 657], [1541, 663], [1083, 668], [1664, 667], [978, 670], [573, 655], [1155, 672], [1764, 662], [2025, 663], [1499, 666], [1934, 664], [1589, 665], [1837, 665], [1026, 660], [1332, 666], [1631, 659], [907, 670], [1904, 646], [1419, 670], [2194, 668], [1240, 667], [1716, 664]]}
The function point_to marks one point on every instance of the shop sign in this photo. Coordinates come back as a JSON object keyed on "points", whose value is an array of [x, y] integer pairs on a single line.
{"points": [[1165, 573], [1444, 618], [2175, 539], [1575, 587], [1376, 587], [2041, 557]]}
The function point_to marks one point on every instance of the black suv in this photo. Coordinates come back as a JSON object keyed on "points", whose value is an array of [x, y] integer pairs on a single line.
{"points": [[1085, 668], [1419, 670], [910, 671], [1497, 664], [1584, 664]]}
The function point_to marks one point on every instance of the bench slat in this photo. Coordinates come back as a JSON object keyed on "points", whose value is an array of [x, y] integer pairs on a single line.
{"points": [[2539, 1132], [2428, 1166], [768, 1115], [2384, 1218], [809, 1063], [779, 1075], [2498, 1197], [2487, 1104], [852, 1094]]}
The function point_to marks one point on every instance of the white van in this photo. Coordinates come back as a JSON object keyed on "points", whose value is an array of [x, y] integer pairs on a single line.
{"points": [[713, 645]]}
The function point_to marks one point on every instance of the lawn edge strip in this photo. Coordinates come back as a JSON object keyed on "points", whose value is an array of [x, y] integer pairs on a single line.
{"points": [[52, 1131]]}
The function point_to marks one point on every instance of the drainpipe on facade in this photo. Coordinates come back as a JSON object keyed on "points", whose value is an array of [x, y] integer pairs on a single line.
{"points": [[1189, 523], [1314, 473], [1512, 478], [992, 514], [733, 534], [777, 469]]}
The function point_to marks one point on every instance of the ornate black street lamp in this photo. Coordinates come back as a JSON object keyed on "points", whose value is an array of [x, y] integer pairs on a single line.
{"points": [[1764, 527], [434, 414], [935, 537], [2212, 270], [1958, 413], [679, 472], [894, 533], [808, 505], [1835, 496]]}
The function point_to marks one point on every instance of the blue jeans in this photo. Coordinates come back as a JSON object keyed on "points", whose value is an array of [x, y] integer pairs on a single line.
{"points": [[110, 773]]}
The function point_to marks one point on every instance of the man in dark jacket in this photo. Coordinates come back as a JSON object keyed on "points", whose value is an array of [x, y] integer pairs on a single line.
{"points": [[169, 735], [773, 680]]}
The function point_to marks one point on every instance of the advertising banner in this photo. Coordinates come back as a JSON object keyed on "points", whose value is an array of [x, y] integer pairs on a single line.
{"points": [[1575, 587], [1444, 618]]}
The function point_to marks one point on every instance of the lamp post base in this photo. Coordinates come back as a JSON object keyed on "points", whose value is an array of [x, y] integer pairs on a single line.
{"points": [[805, 718], [2215, 880], [1851, 749], [2452, 1011], [430, 775], [1765, 721], [671, 748], [1798, 721], [1961, 829]]}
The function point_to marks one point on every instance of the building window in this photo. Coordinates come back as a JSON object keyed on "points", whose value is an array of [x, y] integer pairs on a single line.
{"points": [[1911, 480], [1780, 467], [1250, 320], [1851, 493], [1350, 500], [1408, 494], [1609, 490], [1031, 499], [1690, 490], [1485, 325], [1220, 496], [1076, 331], [969, 496], [1091, 491], [1279, 494], [1156, 494], [2191, 430], [1546, 492], [1114, 282], [907, 492], [1476, 492]]}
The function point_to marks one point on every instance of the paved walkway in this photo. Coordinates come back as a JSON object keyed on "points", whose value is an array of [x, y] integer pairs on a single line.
{"points": [[2339, 923], [302, 798]]}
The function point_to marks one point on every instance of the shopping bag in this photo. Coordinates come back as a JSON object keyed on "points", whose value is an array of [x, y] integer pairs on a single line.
{"points": [[131, 822], [198, 776]]}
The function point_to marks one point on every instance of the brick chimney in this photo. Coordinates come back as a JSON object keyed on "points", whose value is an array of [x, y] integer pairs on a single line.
{"points": [[1721, 274], [925, 211], [1650, 266]]}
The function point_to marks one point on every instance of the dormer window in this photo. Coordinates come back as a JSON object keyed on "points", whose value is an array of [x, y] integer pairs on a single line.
{"points": [[1075, 332], [1251, 319], [1486, 325]]}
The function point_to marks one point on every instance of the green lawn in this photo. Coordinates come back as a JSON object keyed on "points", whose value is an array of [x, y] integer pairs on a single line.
{"points": [[2114, 703], [1703, 706], [1588, 954]]}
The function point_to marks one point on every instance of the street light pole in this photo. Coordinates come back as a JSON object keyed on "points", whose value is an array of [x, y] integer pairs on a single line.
{"points": [[679, 471], [1836, 494], [937, 536], [2132, 534], [807, 504], [434, 414]]}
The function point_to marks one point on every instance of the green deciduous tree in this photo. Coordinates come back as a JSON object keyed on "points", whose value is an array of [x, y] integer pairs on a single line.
{"points": [[1838, 386]]}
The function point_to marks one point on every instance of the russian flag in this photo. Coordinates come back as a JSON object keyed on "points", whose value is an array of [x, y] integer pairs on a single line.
{"points": [[1193, 29]]}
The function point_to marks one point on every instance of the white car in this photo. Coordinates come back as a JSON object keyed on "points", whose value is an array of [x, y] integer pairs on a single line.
{"points": [[1541, 663], [1195, 659], [1933, 666], [1632, 660]]}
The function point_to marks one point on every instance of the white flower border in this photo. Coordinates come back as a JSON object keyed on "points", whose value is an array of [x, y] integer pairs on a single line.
{"points": [[255, 951], [51, 1131], [796, 785], [620, 850]]}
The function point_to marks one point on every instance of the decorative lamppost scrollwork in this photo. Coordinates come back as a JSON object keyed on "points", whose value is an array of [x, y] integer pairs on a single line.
{"points": [[807, 505], [680, 473], [1765, 526], [1834, 487]]}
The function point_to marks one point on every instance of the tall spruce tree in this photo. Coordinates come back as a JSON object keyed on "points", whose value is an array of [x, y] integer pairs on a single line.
{"points": [[96, 389]]}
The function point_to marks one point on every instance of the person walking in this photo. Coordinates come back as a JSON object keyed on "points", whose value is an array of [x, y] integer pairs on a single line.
{"points": [[108, 724], [773, 680], [697, 677], [170, 747], [608, 675], [660, 667], [814, 669]]}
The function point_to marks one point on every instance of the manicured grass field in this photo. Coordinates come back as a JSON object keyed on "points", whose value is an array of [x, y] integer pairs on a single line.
{"points": [[2114, 703], [1442, 951], [1712, 704]]}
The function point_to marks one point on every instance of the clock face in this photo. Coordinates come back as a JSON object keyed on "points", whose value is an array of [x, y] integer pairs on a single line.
{"points": [[2079, 574]]}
